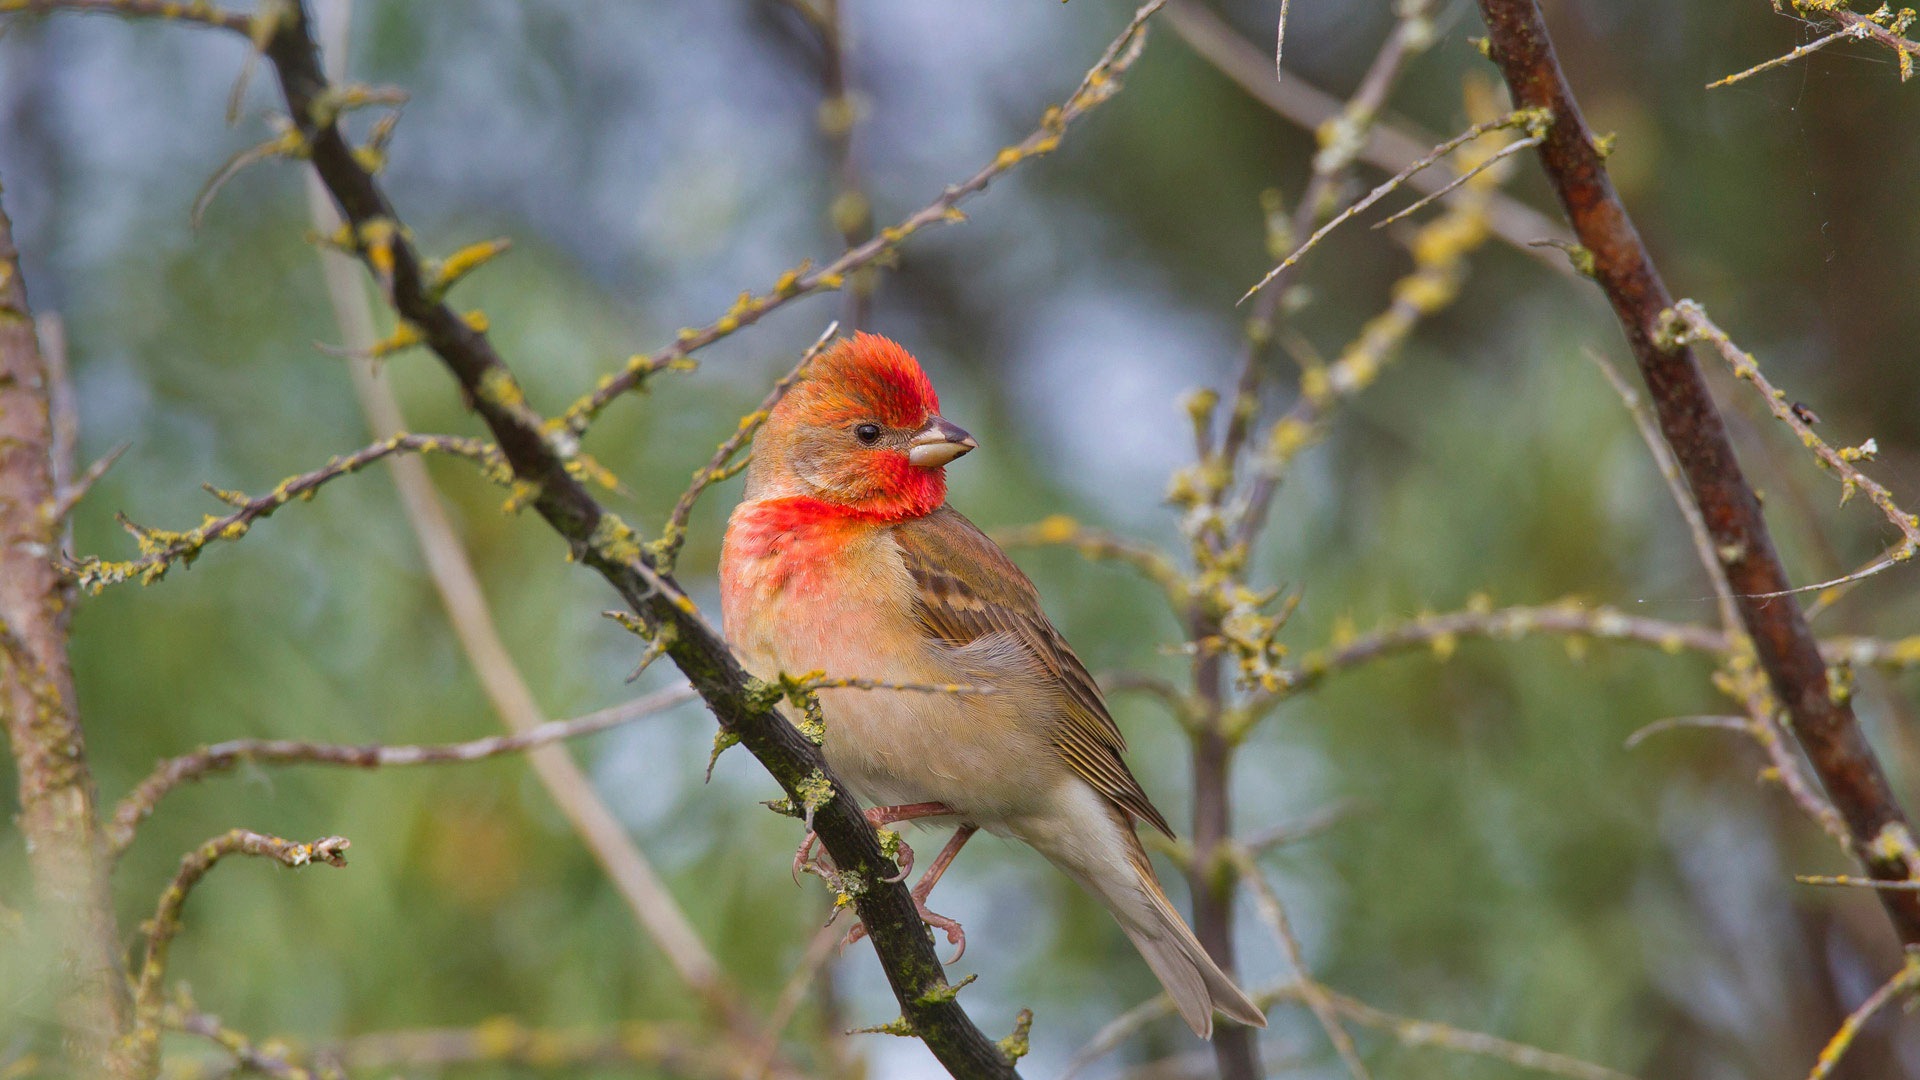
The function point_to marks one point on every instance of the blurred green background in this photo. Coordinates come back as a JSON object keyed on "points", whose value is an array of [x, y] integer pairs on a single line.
{"points": [[1511, 868]]}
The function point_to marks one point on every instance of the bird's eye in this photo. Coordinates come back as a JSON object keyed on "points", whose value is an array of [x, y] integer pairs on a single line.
{"points": [[868, 434]]}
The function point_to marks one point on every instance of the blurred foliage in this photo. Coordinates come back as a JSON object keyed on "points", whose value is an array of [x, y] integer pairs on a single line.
{"points": [[1513, 870]]}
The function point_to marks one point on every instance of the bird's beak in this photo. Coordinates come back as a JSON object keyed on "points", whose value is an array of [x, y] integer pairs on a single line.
{"points": [[938, 443]]}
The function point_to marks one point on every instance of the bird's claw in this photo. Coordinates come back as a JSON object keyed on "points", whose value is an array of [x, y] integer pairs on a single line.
{"points": [[804, 860], [956, 934]]}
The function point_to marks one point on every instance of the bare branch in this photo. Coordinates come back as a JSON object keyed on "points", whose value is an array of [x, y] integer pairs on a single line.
{"points": [[1099, 545], [1529, 119], [1855, 32], [56, 817], [1274, 914], [1649, 430], [653, 905], [1387, 143]]}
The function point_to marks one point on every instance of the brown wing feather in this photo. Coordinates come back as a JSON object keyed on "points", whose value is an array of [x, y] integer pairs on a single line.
{"points": [[967, 588]]}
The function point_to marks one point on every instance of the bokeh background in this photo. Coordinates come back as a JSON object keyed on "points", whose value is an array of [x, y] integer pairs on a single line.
{"points": [[1510, 867]]}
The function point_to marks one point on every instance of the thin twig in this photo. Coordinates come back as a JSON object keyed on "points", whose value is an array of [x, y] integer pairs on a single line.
{"points": [[1678, 723], [1848, 881], [1904, 981], [1102, 81], [197, 11], [247, 1054], [1855, 32], [1406, 1031], [1644, 423], [1100, 545], [161, 549], [194, 866], [674, 534], [1522, 118], [1698, 327], [1476, 169], [139, 804], [1292, 832], [1387, 144], [1267, 902]]}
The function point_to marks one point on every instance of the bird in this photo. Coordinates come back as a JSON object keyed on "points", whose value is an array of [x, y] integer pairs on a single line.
{"points": [[844, 558]]}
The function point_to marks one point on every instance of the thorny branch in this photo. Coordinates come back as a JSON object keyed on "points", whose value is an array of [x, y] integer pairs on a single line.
{"points": [[1822, 721], [140, 803]]}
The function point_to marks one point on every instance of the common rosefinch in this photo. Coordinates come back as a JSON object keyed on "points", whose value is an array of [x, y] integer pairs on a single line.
{"points": [[843, 557]]}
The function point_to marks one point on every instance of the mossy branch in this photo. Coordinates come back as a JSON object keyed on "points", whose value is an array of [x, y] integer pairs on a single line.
{"points": [[165, 924], [162, 549]]}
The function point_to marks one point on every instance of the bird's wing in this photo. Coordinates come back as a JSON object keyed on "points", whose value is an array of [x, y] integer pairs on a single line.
{"points": [[965, 589]]}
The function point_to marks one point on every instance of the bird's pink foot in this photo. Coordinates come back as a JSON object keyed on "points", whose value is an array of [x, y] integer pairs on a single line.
{"points": [[804, 861], [956, 935]]}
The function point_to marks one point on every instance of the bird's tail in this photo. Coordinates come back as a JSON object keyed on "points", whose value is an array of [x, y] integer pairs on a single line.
{"points": [[1114, 867], [1196, 984]]}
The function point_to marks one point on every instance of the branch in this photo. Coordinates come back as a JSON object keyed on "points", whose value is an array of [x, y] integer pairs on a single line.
{"points": [[720, 467], [139, 804], [606, 838], [665, 1049], [1267, 902], [1644, 423], [1098, 545], [55, 785], [1885, 26], [1904, 981], [1694, 325], [166, 916], [160, 549], [1532, 120], [1442, 634], [194, 11], [1404, 1030], [1102, 81], [1822, 721], [539, 454], [1388, 144]]}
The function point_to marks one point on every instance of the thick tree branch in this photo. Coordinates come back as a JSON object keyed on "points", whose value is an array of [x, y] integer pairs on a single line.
{"points": [[57, 816], [1822, 720]]}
